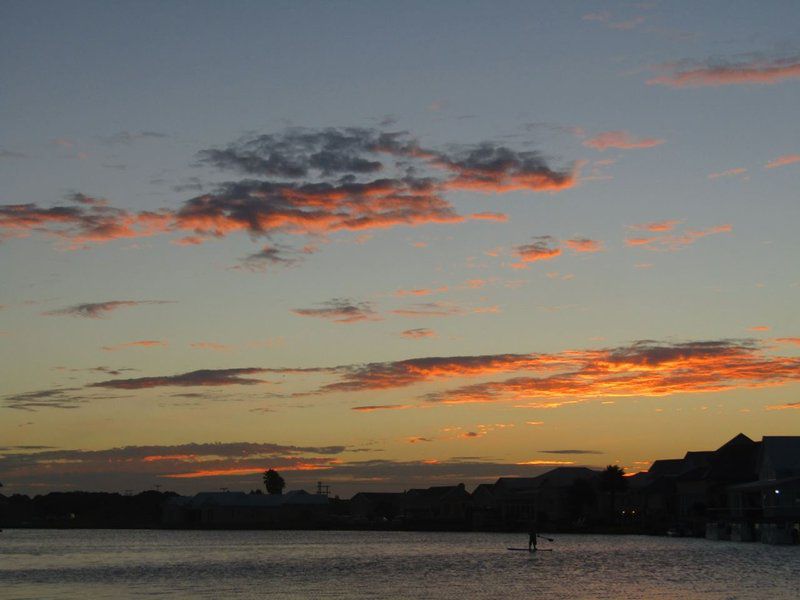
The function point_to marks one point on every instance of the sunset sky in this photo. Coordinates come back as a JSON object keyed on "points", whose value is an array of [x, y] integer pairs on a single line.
{"points": [[387, 245]]}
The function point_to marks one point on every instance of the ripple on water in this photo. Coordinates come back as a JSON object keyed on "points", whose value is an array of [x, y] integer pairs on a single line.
{"points": [[323, 564]]}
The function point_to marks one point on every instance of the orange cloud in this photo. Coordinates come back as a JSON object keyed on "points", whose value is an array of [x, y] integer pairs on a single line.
{"points": [[787, 406], [642, 369], [729, 172], [416, 334], [489, 216], [374, 407], [137, 344], [373, 376], [782, 161], [421, 291], [584, 245], [788, 340], [756, 71], [430, 309], [543, 247], [758, 328], [621, 140], [156, 457], [674, 242], [211, 346], [657, 226], [475, 284]]}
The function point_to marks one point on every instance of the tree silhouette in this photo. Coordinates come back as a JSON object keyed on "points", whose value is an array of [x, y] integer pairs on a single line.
{"points": [[273, 482], [612, 480]]}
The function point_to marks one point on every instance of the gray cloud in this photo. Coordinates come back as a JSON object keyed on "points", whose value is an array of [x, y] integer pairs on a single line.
{"points": [[269, 256], [127, 137], [12, 154], [297, 152], [97, 310], [201, 377], [340, 310]]}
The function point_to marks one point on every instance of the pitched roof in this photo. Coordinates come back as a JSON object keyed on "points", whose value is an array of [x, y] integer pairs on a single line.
{"points": [[668, 466]]}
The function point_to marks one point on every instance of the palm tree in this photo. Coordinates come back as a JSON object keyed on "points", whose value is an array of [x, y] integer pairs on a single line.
{"points": [[612, 480], [273, 482]]}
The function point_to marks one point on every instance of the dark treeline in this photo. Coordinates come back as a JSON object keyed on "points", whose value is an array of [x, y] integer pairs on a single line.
{"points": [[84, 510]]}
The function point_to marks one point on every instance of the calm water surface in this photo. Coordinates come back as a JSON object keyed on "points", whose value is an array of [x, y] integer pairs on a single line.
{"points": [[101, 564]]}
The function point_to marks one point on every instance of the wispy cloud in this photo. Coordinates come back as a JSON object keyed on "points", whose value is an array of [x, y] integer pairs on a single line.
{"points": [[621, 140], [128, 137], [607, 20], [213, 346], [658, 226], [97, 310], [787, 406], [340, 310], [673, 242], [268, 256], [719, 72], [442, 309], [201, 377], [421, 291], [136, 344], [782, 161], [417, 334], [728, 173], [374, 407]]}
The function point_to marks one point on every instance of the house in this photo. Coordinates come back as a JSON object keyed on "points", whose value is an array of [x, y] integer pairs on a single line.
{"points": [[446, 506], [769, 507], [557, 498], [376, 506]]}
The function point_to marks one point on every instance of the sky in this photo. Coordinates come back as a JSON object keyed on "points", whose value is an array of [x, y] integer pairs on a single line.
{"points": [[386, 245]]}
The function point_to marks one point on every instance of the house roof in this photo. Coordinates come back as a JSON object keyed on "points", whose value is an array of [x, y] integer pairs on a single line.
{"points": [[668, 466], [558, 477], [562, 476], [735, 461]]}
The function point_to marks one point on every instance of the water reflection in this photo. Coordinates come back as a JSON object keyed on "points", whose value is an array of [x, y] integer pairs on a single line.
{"points": [[275, 564]]}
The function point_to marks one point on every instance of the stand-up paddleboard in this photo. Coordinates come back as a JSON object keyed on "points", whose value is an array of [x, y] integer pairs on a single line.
{"points": [[530, 549]]}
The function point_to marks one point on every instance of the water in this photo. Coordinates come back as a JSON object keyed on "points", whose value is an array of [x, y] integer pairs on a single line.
{"points": [[101, 564]]}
